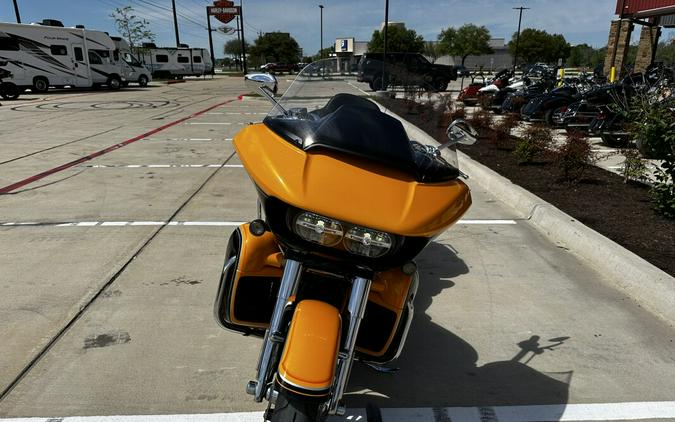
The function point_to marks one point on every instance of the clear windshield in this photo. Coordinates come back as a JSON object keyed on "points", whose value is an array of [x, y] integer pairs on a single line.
{"points": [[314, 87]]}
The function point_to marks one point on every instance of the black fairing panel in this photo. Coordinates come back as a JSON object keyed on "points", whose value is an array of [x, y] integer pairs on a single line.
{"points": [[353, 125], [366, 133]]}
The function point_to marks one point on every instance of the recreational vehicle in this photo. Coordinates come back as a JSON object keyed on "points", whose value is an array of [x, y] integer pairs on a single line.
{"points": [[132, 69], [42, 55], [176, 62]]}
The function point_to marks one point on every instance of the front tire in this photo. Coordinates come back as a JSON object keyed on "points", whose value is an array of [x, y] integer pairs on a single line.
{"points": [[9, 91], [40, 84], [114, 83], [292, 409], [143, 81], [377, 83]]}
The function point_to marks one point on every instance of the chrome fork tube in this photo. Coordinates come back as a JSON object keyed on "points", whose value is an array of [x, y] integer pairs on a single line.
{"points": [[274, 336], [356, 307]]}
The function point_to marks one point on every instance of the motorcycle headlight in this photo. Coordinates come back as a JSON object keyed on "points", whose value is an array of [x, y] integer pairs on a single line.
{"points": [[318, 229], [366, 242]]}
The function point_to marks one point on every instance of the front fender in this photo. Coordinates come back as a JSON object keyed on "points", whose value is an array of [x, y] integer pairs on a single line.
{"points": [[307, 365]]}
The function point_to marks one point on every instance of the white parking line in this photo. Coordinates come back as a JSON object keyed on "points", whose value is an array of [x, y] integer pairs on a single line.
{"points": [[239, 114], [191, 223], [215, 123], [541, 413], [487, 222], [166, 166]]}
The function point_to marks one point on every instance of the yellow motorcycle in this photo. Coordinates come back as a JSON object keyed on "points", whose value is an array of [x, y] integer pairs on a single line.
{"points": [[326, 273]]}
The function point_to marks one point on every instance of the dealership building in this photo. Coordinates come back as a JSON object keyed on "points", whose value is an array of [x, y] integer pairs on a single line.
{"points": [[652, 16], [349, 52]]}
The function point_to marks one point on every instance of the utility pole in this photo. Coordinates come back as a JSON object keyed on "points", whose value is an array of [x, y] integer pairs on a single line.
{"points": [[384, 55], [213, 57], [321, 48], [520, 19], [16, 11], [239, 39], [175, 22], [243, 41]]}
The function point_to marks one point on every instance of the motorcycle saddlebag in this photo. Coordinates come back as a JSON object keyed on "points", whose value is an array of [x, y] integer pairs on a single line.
{"points": [[249, 282]]}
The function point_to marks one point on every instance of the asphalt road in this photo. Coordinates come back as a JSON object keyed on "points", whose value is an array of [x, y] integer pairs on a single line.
{"points": [[109, 268]]}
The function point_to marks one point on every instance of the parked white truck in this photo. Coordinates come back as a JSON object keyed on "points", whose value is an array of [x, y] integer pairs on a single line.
{"points": [[42, 55], [169, 62], [133, 70]]}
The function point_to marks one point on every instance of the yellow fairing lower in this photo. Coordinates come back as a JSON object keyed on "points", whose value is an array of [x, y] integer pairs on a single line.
{"points": [[349, 188], [308, 361]]}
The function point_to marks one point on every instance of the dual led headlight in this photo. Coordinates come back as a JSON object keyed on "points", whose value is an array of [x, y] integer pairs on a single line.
{"points": [[328, 232]]}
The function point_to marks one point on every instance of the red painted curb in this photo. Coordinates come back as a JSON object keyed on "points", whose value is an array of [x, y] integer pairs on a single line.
{"points": [[24, 182]]}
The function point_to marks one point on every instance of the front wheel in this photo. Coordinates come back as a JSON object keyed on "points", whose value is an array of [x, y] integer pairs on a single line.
{"points": [[291, 409], [9, 91], [114, 83], [143, 81], [378, 85]]}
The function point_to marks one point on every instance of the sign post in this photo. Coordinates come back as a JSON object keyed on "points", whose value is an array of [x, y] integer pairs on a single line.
{"points": [[225, 11], [213, 56]]}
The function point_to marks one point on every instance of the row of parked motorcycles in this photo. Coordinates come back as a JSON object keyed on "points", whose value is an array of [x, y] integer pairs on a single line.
{"points": [[586, 102]]}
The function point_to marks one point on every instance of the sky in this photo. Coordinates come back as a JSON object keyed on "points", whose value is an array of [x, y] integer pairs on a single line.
{"points": [[580, 21]]}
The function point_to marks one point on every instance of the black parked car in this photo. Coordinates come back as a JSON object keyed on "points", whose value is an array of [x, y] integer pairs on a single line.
{"points": [[404, 69]]}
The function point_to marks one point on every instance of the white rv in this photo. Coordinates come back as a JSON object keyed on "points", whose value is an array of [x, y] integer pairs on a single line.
{"points": [[42, 55], [133, 70], [176, 62]]}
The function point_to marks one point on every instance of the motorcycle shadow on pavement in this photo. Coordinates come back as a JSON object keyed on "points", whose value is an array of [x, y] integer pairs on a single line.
{"points": [[439, 369]]}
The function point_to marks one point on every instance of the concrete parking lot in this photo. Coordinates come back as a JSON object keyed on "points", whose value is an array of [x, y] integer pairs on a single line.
{"points": [[115, 213]]}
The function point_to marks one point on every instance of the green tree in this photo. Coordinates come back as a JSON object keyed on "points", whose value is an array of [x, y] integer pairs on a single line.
{"points": [[277, 47], [131, 27], [399, 39], [432, 50], [468, 40], [580, 55], [537, 45], [666, 52], [325, 53], [233, 48]]}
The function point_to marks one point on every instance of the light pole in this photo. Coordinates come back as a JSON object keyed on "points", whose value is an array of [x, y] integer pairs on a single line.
{"points": [[243, 41], [384, 53], [16, 11], [321, 44], [175, 23], [520, 19]]}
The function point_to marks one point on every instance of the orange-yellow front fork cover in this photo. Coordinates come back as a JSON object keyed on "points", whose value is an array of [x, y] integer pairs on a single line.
{"points": [[309, 357]]}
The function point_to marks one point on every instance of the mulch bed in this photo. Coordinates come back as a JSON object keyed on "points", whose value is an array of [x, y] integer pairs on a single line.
{"points": [[601, 200]]}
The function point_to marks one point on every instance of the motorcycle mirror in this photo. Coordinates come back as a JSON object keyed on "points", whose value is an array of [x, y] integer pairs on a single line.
{"points": [[266, 84], [460, 132], [255, 81]]}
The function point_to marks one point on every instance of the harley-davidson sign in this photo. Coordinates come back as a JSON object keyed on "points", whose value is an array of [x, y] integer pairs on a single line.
{"points": [[223, 10]]}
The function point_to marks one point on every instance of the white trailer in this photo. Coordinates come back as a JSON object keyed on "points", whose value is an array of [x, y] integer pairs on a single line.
{"points": [[40, 56], [167, 62], [133, 70]]}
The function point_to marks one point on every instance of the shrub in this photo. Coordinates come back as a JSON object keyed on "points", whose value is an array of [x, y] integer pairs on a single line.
{"points": [[574, 156], [663, 190], [652, 128], [634, 167], [535, 141], [482, 121], [450, 112]]}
